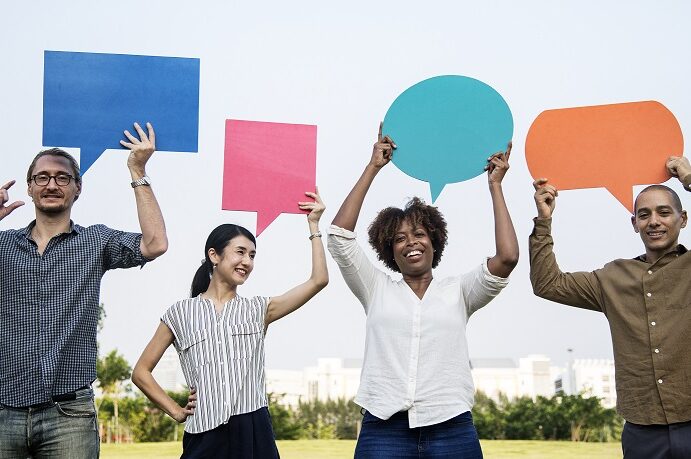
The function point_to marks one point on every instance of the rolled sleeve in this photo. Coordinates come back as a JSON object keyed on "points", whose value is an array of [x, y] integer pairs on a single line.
{"points": [[480, 286], [122, 249]]}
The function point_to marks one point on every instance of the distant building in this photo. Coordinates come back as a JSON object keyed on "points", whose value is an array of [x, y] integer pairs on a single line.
{"points": [[595, 377], [168, 372], [332, 378], [534, 376]]}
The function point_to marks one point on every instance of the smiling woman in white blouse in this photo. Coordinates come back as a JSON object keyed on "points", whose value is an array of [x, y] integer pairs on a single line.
{"points": [[416, 388], [219, 337]]}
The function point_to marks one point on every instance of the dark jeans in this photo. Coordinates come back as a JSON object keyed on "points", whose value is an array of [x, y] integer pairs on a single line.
{"points": [[244, 436], [61, 430], [452, 439], [671, 441]]}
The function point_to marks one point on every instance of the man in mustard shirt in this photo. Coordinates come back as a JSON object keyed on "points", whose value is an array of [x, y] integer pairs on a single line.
{"points": [[647, 301]]}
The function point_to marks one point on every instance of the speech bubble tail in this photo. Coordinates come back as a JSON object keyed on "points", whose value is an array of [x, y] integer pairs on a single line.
{"points": [[264, 219], [87, 157], [623, 193], [436, 188]]}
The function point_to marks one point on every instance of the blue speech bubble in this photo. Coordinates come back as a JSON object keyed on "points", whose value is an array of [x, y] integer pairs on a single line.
{"points": [[90, 98], [446, 127]]}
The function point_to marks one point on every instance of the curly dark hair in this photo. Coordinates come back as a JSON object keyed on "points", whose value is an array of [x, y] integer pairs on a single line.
{"points": [[382, 230]]}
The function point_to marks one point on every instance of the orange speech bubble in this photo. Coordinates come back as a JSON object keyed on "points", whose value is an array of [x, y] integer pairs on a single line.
{"points": [[613, 146]]}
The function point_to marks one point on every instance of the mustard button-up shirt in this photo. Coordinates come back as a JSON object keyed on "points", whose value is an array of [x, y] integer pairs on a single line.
{"points": [[648, 306]]}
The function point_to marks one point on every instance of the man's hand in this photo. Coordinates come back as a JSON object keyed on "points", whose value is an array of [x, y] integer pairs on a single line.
{"points": [[140, 149], [498, 165], [678, 166], [545, 198], [5, 210], [382, 150]]}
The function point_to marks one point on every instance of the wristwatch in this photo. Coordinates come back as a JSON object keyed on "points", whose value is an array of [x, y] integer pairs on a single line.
{"points": [[141, 181]]}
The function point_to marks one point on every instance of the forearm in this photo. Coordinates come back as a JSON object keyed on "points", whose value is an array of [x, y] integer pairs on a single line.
{"points": [[579, 289], [320, 274], [154, 238], [505, 239], [144, 380], [349, 212]]}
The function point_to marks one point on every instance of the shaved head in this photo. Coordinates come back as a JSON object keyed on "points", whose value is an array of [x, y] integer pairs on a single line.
{"points": [[676, 202]]}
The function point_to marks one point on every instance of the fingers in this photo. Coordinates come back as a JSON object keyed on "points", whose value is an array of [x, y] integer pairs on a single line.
{"points": [[538, 183], [389, 140], [140, 131], [508, 150], [381, 125], [152, 135], [13, 206], [131, 138], [8, 185]]}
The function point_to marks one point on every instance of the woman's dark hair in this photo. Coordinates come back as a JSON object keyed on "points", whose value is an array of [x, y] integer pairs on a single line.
{"points": [[383, 229], [217, 240]]}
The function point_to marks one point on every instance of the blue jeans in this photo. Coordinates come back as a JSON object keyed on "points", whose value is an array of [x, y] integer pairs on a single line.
{"points": [[61, 430], [452, 439]]}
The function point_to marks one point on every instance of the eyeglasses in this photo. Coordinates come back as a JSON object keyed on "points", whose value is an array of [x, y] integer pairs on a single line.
{"points": [[44, 179]]}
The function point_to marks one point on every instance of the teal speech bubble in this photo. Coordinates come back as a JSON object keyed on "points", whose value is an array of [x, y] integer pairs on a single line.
{"points": [[446, 127]]}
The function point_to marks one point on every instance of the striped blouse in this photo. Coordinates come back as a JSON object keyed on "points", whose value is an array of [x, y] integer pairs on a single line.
{"points": [[222, 355]]}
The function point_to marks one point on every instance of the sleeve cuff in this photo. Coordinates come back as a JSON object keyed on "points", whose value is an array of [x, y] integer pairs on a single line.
{"points": [[501, 281], [338, 231], [543, 226]]}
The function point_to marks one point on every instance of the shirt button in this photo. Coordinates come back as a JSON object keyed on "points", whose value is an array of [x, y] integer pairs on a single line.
{"points": [[657, 351], [649, 294], [659, 381], [653, 323], [650, 272]]}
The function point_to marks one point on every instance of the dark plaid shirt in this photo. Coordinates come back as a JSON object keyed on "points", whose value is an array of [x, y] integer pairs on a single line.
{"points": [[49, 308]]}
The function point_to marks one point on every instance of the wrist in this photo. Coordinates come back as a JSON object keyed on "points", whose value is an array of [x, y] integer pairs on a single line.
{"points": [[686, 180], [137, 172], [372, 168]]}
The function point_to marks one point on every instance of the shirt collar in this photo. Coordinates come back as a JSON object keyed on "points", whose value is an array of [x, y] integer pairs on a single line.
{"points": [[26, 232], [680, 250]]}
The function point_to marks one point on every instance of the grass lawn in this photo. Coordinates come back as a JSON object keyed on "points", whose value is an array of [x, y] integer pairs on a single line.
{"points": [[332, 449]]}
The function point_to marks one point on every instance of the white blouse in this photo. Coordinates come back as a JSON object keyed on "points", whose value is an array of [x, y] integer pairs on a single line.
{"points": [[222, 355], [416, 352]]}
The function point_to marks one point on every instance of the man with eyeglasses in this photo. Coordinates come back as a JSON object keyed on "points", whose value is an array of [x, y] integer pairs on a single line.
{"points": [[50, 277]]}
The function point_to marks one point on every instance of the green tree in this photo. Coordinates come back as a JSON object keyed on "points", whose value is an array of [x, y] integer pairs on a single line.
{"points": [[488, 417], [283, 420], [329, 419], [111, 371]]}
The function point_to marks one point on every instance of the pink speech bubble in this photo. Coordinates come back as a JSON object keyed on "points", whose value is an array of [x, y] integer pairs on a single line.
{"points": [[268, 167]]}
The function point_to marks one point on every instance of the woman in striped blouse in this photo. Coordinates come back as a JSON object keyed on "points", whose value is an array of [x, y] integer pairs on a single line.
{"points": [[219, 337]]}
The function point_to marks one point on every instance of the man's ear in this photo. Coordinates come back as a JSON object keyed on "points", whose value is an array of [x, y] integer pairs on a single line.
{"points": [[79, 190], [684, 218], [633, 222]]}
